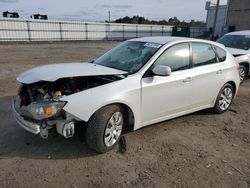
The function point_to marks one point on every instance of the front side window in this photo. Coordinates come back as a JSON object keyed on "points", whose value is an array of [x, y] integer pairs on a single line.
{"points": [[129, 56], [203, 54], [176, 57]]}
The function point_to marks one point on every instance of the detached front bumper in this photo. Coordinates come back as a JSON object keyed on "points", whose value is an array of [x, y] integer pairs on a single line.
{"points": [[27, 125]]}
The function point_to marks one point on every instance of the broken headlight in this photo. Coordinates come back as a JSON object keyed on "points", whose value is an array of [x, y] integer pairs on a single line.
{"points": [[40, 111]]}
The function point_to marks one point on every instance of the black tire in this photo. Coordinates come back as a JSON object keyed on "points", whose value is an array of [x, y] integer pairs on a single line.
{"points": [[243, 73], [217, 107], [97, 125]]}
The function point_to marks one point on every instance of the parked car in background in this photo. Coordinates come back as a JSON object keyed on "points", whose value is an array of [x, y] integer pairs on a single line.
{"points": [[140, 82], [238, 44]]}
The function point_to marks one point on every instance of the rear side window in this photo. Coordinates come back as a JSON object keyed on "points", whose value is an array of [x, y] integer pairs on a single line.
{"points": [[203, 54], [222, 55]]}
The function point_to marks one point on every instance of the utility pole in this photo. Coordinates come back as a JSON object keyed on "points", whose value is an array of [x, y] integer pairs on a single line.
{"points": [[215, 16], [226, 17], [109, 16]]}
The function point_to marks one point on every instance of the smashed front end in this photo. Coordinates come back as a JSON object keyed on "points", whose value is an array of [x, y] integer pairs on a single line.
{"points": [[38, 107]]}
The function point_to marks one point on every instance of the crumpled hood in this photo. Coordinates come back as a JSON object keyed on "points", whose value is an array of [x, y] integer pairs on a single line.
{"points": [[236, 51], [54, 72]]}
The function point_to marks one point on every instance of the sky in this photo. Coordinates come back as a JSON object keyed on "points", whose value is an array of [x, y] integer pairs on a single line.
{"points": [[97, 10]]}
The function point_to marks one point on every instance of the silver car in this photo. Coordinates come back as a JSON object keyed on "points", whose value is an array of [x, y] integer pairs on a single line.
{"points": [[139, 82]]}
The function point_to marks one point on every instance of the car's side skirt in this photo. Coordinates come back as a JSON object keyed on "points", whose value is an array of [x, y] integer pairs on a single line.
{"points": [[173, 116]]}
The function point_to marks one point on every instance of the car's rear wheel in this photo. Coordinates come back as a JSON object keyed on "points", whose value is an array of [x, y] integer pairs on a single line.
{"points": [[224, 99], [104, 128], [243, 73]]}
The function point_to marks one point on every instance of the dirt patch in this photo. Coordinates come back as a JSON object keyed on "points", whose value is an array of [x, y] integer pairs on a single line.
{"points": [[197, 150]]}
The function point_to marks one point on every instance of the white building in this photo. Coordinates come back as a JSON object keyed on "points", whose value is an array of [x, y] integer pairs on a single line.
{"points": [[220, 28]]}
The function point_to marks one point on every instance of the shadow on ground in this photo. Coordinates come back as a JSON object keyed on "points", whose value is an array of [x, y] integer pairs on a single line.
{"points": [[16, 142]]}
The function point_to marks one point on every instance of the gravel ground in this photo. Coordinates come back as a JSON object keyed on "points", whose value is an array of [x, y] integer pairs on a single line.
{"points": [[197, 150]]}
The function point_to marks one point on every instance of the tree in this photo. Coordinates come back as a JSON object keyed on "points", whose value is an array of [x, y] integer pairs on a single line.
{"points": [[171, 21]]}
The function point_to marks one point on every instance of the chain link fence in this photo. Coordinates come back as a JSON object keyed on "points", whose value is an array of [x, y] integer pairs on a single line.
{"points": [[41, 30], [12, 29]]}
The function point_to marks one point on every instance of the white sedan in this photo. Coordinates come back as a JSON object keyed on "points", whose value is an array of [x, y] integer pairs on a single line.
{"points": [[140, 82], [238, 44]]}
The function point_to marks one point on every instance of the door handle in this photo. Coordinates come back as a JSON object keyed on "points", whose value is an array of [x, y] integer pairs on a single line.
{"points": [[188, 79], [219, 71]]}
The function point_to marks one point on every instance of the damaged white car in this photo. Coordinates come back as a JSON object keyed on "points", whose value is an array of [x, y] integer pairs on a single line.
{"points": [[140, 82]]}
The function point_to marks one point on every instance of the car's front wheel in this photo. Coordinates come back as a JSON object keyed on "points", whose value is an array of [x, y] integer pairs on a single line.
{"points": [[104, 128], [224, 99]]}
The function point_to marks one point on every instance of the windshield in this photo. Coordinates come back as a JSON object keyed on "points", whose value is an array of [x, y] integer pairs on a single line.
{"points": [[236, 41], [129, 56]]}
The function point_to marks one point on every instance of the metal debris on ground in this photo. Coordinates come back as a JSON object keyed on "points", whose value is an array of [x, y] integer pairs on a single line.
{"points": [[122, 145], [234, 111]]}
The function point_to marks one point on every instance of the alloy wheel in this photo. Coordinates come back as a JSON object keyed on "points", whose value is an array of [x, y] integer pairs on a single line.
{"points": [[242, 73], [226, 98], [113, 129]]}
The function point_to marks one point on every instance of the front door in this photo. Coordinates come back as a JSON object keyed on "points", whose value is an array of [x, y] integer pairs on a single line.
{"points": [[164, 96]]}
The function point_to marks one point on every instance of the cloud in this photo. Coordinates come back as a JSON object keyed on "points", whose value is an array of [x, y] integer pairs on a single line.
{"points": [[9, 1], [41, 9], [119, 10], [106, 6], [123, 6], [84, 12], [87, 15], [69, 15]]}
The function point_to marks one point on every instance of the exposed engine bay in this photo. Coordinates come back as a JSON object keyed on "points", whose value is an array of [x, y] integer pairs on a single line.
{"points": [[39, 103], [42, 91]]}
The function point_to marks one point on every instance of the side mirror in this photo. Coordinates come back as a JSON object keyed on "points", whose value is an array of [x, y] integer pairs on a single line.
{"points": [[161, 70]]}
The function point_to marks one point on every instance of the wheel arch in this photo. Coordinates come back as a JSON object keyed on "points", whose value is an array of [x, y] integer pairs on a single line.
{"points": [[234, 87], [246, 64], [233, 84], [129, 114], [216, 107]]}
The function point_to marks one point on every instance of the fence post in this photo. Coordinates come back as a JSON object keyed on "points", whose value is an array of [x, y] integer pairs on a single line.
{"points": [[162, 30], [106, 30], [28, 30], [151, 30], [86, 30], [123, 32], [60, 27], [136, 31]]}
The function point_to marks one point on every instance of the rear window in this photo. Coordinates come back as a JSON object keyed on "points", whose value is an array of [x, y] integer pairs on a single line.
{"points": [[222, 54]]}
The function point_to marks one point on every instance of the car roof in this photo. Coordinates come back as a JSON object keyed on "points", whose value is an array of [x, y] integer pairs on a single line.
{"points": [[246, 32], [164, 40], [168, 39]]}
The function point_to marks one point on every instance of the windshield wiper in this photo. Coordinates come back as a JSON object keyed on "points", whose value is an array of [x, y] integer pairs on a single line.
{"points": [[92, 61]]}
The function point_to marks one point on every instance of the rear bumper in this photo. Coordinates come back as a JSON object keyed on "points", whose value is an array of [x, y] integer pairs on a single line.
{"points": [[27, 125]]}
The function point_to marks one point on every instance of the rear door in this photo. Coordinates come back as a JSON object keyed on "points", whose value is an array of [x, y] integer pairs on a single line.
{"points": [[207, 73]]}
